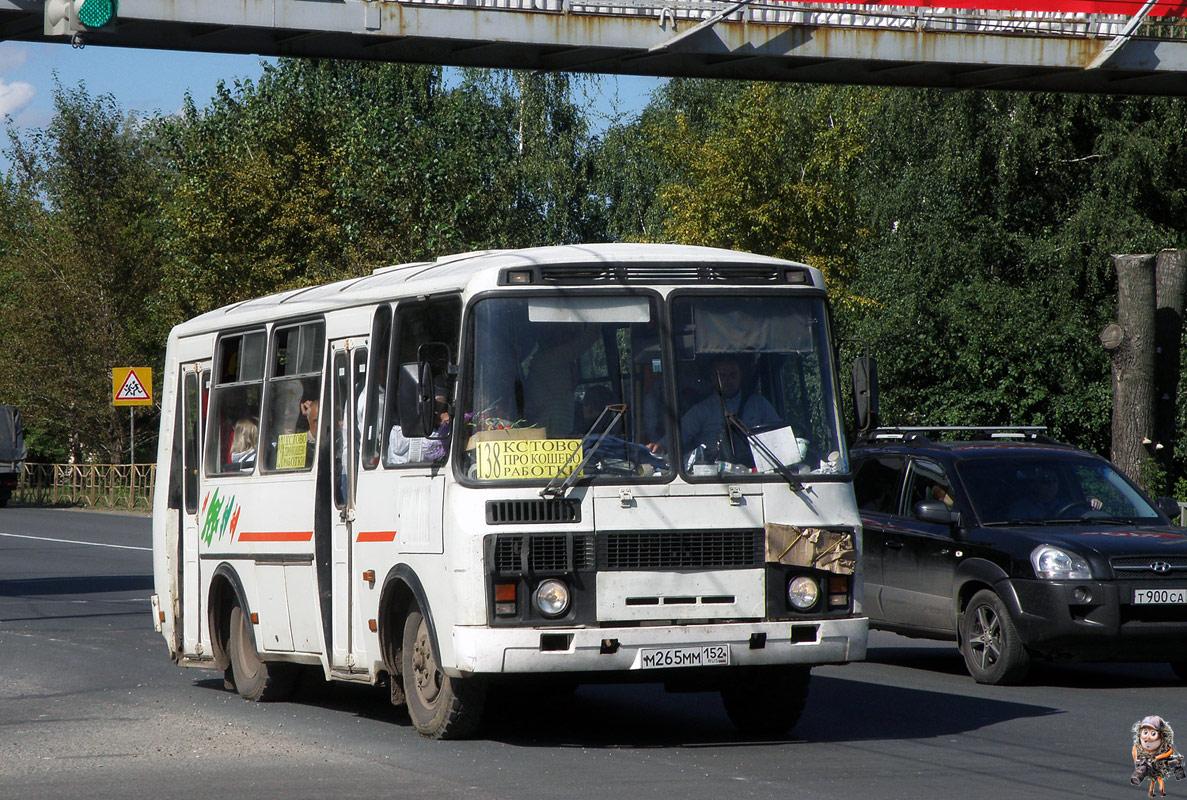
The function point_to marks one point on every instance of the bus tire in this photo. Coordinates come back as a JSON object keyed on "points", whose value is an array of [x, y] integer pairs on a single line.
{"points": [[254, 678], [439, 706], [766, 701]]}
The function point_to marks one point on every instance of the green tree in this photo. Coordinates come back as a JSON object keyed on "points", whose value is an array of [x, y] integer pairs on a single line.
{"points": [[992, 216], [766, 168], [326, 169], [80, 263]]}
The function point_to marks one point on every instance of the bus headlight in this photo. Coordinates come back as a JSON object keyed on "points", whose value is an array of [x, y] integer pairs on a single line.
{"points": [[552, 598], [803, 592]]}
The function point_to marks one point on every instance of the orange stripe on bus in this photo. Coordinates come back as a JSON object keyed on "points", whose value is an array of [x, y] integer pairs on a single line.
{"points": [[376, 536], [276, 536]]}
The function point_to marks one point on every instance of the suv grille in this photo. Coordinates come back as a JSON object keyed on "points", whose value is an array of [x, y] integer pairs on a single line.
{"points": [[680, 549], [541, 553], [1150, 566]]}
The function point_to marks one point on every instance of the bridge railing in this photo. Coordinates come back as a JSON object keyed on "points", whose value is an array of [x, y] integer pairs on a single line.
{"points": [[857, 15], [125, 486]]}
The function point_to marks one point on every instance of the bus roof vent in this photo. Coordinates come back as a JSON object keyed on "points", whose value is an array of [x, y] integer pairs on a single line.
{"points": [[679, 273], [532, 511]]}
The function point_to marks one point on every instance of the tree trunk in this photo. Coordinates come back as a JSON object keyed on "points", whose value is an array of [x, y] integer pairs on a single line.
{"points": [[1171, 283], [1132, 355]]}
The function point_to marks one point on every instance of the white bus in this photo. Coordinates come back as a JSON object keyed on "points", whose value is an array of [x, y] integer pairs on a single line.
{"points": [[596, 463]]}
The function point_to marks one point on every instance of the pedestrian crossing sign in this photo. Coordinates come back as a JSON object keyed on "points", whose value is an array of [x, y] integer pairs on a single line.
{"points": [[131, 386]]}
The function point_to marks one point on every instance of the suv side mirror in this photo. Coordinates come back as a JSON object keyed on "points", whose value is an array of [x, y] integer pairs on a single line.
{"points": [[865, 392], [1170, 507], [937, 512]]}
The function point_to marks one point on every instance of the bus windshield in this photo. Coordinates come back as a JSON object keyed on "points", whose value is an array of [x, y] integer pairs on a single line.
{"points": [[553, 375], [752, 391], [755, 386]]}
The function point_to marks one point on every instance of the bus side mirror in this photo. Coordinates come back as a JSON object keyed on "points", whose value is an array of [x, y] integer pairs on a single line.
{"points": [[416, 399], [865, 392]]}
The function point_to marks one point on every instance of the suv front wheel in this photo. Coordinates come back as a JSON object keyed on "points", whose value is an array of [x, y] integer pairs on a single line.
{"points": [[989, 642]]}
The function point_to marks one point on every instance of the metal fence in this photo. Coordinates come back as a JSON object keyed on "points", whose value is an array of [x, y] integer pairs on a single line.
{"points": [[92, 485]]}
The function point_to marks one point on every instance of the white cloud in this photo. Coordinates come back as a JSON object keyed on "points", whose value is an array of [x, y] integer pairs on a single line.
{"points": [[15, 96]]}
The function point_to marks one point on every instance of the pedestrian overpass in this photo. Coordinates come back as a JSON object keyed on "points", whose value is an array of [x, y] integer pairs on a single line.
{"points": [[1113, 46]]}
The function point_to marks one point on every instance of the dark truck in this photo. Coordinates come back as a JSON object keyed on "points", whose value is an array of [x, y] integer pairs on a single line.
{"points": [[12, 451]]}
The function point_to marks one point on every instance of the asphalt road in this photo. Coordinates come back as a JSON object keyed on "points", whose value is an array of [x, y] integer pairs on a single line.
{"points": [[91, 707]]}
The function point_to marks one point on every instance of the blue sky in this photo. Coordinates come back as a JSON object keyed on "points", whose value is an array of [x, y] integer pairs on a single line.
{"points": [[151, 81]]}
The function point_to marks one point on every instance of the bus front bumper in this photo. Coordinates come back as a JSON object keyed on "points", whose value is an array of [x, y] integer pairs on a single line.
{"points": [[559, 650]]}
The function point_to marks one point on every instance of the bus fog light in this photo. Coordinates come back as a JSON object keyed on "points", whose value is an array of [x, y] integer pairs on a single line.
{"points": [[803, 592], [552, 598]]}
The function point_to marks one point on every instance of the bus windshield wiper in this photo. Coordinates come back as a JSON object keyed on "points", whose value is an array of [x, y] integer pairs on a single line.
{"points": [[617, 409], [757, 444]]}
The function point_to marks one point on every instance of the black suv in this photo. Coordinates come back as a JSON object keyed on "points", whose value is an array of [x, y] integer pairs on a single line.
{"points": [[1018, 547]]}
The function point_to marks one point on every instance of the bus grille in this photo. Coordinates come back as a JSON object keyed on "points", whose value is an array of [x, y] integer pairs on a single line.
{"points": [[658, 550], [519, 512], [541, 553]]}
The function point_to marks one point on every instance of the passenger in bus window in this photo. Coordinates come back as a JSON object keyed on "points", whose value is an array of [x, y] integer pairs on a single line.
{"points": [[243, 444], [550, 392], [404, 450], [309, 415], [593, 404]]}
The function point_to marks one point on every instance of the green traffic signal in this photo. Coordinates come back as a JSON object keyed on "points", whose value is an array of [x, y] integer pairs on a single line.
{"points": [[97, 13]]}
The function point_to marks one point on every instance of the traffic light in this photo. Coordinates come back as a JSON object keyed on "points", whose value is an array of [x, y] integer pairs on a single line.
{"points": [[65, 17]]}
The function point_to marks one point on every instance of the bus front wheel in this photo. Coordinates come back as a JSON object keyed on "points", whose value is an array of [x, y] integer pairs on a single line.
{"points": [[254, 678], [440, 707]]}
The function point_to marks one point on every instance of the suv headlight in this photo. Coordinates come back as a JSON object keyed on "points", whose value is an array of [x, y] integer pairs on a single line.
{"points": [[1053, 563]]}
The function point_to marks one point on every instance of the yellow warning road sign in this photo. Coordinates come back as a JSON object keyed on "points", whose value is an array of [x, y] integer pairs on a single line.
{"points": [[131, 386]]}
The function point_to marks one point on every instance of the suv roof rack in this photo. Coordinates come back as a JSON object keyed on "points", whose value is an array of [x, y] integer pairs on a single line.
{"points": [[909, 433]]}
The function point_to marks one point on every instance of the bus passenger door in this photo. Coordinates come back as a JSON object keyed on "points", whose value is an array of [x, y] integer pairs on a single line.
{"points": [[349, 367], [195, 391]]}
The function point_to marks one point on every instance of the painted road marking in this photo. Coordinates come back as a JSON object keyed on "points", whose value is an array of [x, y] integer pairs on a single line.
{"points": [[72, 541]]}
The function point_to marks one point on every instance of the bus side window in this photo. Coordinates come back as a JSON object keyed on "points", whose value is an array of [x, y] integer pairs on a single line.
{"points": [[373, 402], [419, 323], [192, 440], [238, 385], [291, 419]]}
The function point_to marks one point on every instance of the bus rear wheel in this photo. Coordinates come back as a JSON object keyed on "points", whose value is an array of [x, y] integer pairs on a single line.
{"points": [[766, 701], [440, 707], [254, 678]]}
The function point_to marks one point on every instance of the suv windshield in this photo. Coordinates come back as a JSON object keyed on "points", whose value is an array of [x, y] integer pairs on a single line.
{"points": [[550, 376], [1050, 488], [754, 368]]}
